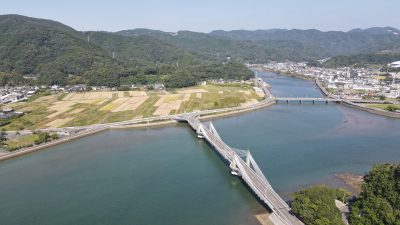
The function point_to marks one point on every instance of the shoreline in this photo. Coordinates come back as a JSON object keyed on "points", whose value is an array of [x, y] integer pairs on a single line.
{"points": [[346, 103], [359, 106], [293, 75], [46, 145], [168, 120], [153, 122], [354, 181]]}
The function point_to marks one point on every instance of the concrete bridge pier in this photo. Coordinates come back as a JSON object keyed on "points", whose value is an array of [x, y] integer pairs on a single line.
{"points": [[234, 168], [199, 133]]}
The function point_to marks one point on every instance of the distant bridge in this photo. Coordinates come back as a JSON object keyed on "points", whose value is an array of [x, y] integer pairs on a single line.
{"points": [[326, 100], [306, 99], [243, 164]]}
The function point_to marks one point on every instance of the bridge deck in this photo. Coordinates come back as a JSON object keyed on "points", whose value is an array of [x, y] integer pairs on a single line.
{"points": [[337, 100], [248, 169]]}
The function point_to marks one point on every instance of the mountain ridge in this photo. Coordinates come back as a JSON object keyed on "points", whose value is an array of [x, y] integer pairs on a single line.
{"points": [[54, 53]]}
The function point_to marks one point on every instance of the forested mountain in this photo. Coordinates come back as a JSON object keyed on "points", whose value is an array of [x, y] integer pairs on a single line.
{"points": [[47, 49], [278, 44], [220, 48], [57, 54], [143, 48], [331, 43], [363, 60]]}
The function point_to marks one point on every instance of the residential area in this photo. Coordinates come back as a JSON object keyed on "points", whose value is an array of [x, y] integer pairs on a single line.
{"points": [[346, 82]]}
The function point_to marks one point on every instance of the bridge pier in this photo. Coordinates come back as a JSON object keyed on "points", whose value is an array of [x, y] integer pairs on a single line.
{"points": [[234, 168], [242, 164], [199, 133]]}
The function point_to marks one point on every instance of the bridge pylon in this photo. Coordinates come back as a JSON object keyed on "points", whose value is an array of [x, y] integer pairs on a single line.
{"points": [[248, 155]]}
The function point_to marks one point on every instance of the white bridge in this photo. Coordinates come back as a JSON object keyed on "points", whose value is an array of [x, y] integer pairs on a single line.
{"points": [[243, 164]]}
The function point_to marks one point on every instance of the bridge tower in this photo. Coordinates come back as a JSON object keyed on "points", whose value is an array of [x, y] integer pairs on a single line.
{"points": [[248, 155]]}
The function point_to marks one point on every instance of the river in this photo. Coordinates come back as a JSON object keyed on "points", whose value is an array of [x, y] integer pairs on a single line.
{"points": [[167, 176]]}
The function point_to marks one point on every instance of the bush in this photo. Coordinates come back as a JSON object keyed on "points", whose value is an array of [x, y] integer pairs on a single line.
{"points": [[316, 205], [42, 138]]}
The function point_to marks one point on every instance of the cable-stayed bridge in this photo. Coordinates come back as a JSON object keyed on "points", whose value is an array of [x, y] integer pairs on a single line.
{"points": [[243, 164]]}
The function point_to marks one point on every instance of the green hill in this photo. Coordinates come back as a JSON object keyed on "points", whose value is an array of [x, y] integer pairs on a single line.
{"points": [[142, 48], [363, 60], [278, 44], [219, 48], [57, 54], [51, 51]]}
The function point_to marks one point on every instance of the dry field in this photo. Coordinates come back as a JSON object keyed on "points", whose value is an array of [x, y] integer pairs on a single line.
{"points": [[78, 109]]}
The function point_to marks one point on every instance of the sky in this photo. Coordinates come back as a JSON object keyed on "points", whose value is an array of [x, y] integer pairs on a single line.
{"points": [[208, 15]]}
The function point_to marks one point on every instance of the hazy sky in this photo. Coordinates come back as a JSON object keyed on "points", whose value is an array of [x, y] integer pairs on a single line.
{"points": [[207, 15]]}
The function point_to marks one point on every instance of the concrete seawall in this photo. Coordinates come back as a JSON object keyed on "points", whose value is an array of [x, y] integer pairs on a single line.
{"points": [[372, 110], [359, 106], [49, 144], [153, 122], [322, 88]]}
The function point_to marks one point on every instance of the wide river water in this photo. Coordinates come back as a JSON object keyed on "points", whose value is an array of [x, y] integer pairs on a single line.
{"points": [[167, 176]]}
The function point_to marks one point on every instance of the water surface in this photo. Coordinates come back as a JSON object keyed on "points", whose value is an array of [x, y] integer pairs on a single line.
{"points": [[167, 176]]}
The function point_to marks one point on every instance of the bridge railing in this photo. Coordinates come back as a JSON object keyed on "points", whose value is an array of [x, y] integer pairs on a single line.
{"points": [[254, 177]]}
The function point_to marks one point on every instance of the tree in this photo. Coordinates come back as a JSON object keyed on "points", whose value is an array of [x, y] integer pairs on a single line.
{"points": [[42, 137], [391, 108], [379, 202], [316, 205]]}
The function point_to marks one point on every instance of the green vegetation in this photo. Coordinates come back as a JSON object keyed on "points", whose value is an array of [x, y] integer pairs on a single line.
{"points": [[362, 60], [20, 142], [43, 137], [84, 108], [277, 44], [316, 205], [379, 202], [387, 107], [23, 141], [57, 54]]}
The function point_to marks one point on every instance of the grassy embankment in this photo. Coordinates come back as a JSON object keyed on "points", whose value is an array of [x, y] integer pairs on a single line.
{"points": [[387, 107], [21, 141]]}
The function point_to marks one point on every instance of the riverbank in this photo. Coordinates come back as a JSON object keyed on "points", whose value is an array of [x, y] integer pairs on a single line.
{"points": [[149, 124], [346, 103], [352, 180], [145, 123], [25, 151], [293, 75], [372, 110], [359, 106]]}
